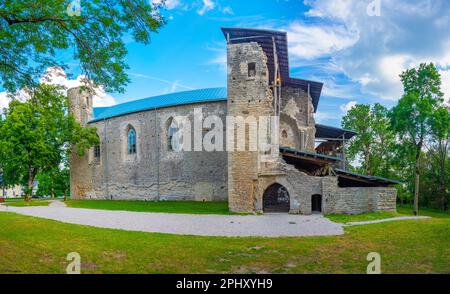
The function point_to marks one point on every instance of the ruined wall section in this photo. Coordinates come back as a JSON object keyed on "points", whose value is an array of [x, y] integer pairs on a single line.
{"points": [[80, 106], [297, 124], [249, 95]]}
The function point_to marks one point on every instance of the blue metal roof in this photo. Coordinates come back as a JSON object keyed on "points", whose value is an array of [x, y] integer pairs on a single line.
{"points": [[180, 98]]}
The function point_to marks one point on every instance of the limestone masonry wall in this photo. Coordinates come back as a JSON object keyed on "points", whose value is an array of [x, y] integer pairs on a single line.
{"points": [[248, 96], [154, 172]]}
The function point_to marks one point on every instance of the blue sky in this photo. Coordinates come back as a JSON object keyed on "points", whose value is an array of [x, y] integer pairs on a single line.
{"points": [[356, 55]]}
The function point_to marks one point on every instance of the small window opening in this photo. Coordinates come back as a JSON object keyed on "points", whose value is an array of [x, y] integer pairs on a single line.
{"points": [[97, 151], [251, 69]]}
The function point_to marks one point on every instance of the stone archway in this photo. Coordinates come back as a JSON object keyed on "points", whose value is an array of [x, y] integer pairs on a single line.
{"points": [[316, 203], [276, 199]]}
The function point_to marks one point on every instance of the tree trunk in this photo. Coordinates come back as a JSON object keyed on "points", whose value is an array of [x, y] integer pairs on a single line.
{"points": [[29, 193], [31, 175], [367, 161], [417, 182], [442, 159]]}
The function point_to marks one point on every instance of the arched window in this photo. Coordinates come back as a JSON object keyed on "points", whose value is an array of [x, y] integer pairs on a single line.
{"points": [[172, 143], [131, 141]]}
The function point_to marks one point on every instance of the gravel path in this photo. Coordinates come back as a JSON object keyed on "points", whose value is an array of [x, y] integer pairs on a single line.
{"points": [[268, 225], [386, 220]]}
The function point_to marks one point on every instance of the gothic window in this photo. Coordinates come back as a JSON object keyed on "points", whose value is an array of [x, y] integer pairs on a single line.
{"points": [[251, 69], [171, 131], [131, 141], [284, 134]]}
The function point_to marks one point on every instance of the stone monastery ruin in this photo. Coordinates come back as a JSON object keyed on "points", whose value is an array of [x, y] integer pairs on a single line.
{"points": [[137, 160]]}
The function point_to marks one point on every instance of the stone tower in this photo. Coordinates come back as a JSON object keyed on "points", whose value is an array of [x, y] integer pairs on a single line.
{"points": [[249, 96], [80, 106]]}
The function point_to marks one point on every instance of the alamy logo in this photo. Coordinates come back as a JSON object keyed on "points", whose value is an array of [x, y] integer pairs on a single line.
{"points": [[374, 266], [74, 267], [74, 8], [249, 133]]}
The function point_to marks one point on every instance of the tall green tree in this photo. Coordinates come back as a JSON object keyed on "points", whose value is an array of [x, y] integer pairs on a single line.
{"points": [[374, 140], [412, 118], [54, 183], [440, 133], [33, 32], [36, 135]]}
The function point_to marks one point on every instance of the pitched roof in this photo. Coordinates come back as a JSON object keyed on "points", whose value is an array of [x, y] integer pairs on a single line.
{"points": [[329, 132], [266, 39], [167, 100], [378, 181]]}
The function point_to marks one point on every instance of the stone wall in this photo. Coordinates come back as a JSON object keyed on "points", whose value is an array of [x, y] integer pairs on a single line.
{"points": [[154, 172], [81, 177], [356, 199], [335, 199], [297, 119], [249, 96]]}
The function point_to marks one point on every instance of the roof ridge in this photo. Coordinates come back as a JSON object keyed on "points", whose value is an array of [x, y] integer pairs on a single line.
{"points": [[161, 101]]}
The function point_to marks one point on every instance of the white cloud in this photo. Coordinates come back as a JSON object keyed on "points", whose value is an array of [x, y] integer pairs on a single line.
{"points": [[313, 41], [445, 78], [374, 50], [57, 76], [169, 4], [322, 117], [346, 107], [227, 10], [207, 6], [4, 101]]}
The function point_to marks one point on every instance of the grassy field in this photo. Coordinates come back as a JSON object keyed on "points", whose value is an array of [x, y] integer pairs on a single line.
{"points": [[401, 211], [23, 203], [32, 245], [191, 207]]}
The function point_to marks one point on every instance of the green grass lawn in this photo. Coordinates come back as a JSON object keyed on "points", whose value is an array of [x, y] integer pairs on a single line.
{"points": [[368, 216], [191, 207], [23, 203], [33, 245]]}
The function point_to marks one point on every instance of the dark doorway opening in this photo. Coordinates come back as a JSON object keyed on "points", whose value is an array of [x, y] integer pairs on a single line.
{"points": [[316, 203], [276, 199]]}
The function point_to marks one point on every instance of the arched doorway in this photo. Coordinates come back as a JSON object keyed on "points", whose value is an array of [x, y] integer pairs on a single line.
{"points": [[276, 199], [316, 203]]}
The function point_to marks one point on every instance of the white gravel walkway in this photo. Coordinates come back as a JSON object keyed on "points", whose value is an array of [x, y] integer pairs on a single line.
{"points": [[386, 220], [268, 225]]}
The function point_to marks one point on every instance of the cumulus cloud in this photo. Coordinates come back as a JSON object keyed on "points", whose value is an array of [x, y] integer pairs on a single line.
{"points": [[4, 101], [373, 50], [207, 6], [445, 77], [57, 76], [313, 41], [169, 4], [346, 107]]}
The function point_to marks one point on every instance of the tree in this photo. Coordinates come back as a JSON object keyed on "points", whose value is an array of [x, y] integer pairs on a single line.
{"points": [[374, 140], [412, 117], [440, 130], [33, 32], [37, 133], [54, 183]]}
